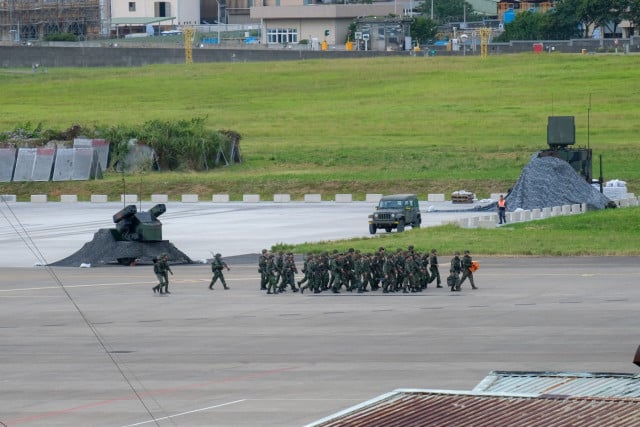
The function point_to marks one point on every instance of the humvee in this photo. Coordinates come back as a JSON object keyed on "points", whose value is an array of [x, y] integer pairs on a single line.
{"points": [[395, 211]]}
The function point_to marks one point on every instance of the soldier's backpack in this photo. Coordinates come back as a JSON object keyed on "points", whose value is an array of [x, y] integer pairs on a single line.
{"points": [[451, 280]]}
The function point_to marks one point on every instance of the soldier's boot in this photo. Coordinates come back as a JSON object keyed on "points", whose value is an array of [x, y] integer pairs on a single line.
{"points": [[225, 285], [156, 288]]}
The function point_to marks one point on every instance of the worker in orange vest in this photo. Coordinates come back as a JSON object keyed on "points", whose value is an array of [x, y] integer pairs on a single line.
{"points": [[502, 209]]}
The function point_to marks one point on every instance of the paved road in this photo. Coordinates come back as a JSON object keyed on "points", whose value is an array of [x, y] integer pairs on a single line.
{"points": [[104, 351], [244, 358], [30, 232]]}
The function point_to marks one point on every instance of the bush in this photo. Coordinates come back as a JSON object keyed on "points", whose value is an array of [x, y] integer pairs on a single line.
{"points": [[61, 37]]}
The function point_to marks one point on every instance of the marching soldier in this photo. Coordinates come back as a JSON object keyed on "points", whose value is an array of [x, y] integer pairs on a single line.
{"points": [[216, 267], [467, 262]]}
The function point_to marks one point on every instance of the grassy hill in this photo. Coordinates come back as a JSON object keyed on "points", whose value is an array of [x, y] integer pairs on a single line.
{"points": [[365, 125], [382, 125]]}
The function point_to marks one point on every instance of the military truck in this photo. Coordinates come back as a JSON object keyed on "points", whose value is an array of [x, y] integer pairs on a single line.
{"points": [[395, 211]]}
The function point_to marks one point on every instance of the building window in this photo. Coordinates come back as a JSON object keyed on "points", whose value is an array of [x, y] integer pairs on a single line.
{"points": [[132, 6], [282, 35]]}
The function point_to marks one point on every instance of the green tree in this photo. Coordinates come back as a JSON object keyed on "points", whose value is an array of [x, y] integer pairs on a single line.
{"points": [[423, 29], [445, 11], [633, 12], [594, 13], [561, 23], [526, 26]]}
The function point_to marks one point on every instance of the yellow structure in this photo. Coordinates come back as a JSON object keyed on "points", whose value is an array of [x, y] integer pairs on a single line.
{"points": [[189, 33], [485, 33]]}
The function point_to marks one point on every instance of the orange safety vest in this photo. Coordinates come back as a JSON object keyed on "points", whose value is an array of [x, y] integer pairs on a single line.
{"points": [[502, 203]]}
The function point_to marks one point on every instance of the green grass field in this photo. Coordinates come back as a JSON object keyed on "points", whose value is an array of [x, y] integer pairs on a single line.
{"points": [[383, 125]]}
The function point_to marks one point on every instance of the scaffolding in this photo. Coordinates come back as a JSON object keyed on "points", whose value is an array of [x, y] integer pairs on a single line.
{"points": [[26, 20]]}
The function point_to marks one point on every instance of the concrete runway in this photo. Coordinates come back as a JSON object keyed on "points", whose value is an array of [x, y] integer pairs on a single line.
{"points": [[32, 233], [95, 347]]}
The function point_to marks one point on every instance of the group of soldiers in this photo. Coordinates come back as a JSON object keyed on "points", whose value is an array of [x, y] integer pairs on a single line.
{"points": [[404, 271]]}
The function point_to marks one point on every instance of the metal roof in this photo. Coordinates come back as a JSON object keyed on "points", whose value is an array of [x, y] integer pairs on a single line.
{"points": [[141, 20], [420, 408], [562, 383]]}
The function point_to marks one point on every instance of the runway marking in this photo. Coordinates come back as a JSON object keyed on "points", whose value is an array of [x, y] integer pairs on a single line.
{"points": [[158, 392], [185, 413], [150, 282]]}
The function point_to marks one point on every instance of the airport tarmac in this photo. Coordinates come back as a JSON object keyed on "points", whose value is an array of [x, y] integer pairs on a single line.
{"points": [[96, 347]]}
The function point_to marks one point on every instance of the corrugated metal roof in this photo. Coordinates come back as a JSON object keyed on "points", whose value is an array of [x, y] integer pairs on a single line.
{"points": [[421, 408], [561, 383]]}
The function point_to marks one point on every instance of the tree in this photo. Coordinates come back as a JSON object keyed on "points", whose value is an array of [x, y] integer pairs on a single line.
{"points": [[633, 12], [561, 23], [526, 26], [445, 11], [594, 13], [423, 29]]}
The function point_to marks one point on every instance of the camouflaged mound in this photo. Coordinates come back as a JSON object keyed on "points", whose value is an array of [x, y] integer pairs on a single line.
{"points": [[547, 181], [104, 249]]}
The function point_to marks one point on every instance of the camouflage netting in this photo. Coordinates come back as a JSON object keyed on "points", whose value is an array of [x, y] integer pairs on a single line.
{"points": [[547, 182], [104, 249]]}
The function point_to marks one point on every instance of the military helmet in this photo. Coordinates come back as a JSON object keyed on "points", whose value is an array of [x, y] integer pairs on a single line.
{"points": [[218, 255]]}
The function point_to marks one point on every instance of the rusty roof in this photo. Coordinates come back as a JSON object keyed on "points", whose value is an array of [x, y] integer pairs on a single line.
{"points": [[421, 408]]}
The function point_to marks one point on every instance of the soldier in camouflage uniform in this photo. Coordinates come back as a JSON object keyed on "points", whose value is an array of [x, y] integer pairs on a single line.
{"points": [[337, 271], [280, 268], [262, 269], [467, 262], [271, 275], [389, 274], [433, 267], [305, 270], [289, 271], [454, 272], [216, 267]]}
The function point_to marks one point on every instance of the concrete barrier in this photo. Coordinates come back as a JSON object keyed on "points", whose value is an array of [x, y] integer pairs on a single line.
{"points": [[624, 203], [220, 198], [536, 213], [584, 207], [251, 198], [566, 209], [281, 198], [372, 198], [463, 222], [129, 199], [68, 198], [556, 211], [435, 197], [343, 198], [99, 198], [38, 198], [545, 213], [632, 202], [312, 198], [485, 223], [515, 216], [159, 198], [189, 198], [8, 198], [576, 208]]}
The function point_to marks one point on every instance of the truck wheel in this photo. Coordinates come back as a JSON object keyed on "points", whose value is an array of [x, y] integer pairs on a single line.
{"points": [[388, 229], [401, 226], [372, 229]]}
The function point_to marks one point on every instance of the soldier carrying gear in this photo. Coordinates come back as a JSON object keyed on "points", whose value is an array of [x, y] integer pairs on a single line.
{"points": [[216, 267]]}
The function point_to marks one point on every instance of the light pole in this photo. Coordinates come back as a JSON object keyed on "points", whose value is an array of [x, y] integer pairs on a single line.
{"points": [[432, 10]]}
